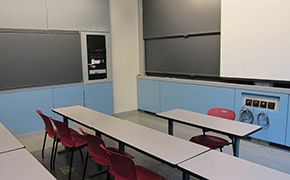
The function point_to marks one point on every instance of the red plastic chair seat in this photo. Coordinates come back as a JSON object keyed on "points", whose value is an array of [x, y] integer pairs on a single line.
{"points": [[124, 168], [212, 142], [78, 139], [72, 131], [104, 159], [145, 174]]}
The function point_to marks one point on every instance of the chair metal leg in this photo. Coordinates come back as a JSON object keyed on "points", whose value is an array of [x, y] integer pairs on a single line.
{"points": [[52, 152], [108, 175], [82, 157], [43, 146], [85, 167], [71, 161], [55, 150]]}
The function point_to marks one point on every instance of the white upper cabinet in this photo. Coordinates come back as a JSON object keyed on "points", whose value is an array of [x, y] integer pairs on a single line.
{"points": [[77, 15], [23, 14], [88, 15]]}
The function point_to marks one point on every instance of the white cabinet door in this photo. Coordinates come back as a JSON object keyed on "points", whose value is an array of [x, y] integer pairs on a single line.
{"points": [[20, 14], [89, 15]]}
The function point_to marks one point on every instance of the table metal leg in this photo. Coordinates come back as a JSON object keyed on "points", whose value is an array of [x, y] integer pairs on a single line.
{"points": [[121, 146], [236, 145], [185, 176], [65, 120], [170, 127]]}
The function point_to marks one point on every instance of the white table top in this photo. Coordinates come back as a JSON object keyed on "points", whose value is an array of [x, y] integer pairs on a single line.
{"points": [[20, 164], [221, 125], [163, 146], [220, 166], [8, 141], [85, 116], [168, 148]]}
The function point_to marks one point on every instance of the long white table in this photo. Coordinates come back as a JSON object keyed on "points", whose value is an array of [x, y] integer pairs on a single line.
{"points": [[166, 148], [162, 146], [20, 164], [8, 141], [235, 129], [220, 166], [85, 116]]}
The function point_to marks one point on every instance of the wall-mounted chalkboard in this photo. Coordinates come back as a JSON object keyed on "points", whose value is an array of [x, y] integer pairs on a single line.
{"points": [[182, 37], [172, 17], [35, 59], [191, 56]]}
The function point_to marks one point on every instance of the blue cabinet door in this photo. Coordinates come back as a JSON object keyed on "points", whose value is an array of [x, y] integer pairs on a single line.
{"points": [[195, 98], [276, 131], [148, 95], [288, 124], [67, 96], [99, 97], [18, 110]]}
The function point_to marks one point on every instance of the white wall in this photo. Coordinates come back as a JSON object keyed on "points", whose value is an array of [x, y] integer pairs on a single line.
{"points": [[125, 53]]}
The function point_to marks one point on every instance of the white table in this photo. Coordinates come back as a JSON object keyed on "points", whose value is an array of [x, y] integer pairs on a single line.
{"points": [[8, 141], [161, 146], [220, 166], [164, 147], [85, 116], [20, 164], [233, 128]]}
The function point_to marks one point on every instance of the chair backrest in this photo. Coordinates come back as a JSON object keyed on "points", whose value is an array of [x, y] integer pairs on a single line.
{"points": [[98, 154], [122, 166], [63, 133], [222, 113], [48, 125]]}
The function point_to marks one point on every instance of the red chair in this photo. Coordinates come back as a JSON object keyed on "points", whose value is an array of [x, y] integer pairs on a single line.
{"points": [[98, 154], [124, 168], [51, 132], [214, 142], [68, 140]]}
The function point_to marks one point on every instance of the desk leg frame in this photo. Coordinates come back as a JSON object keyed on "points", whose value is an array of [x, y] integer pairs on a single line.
{"points": [[170, 127], [236, 145], [185, 176]]}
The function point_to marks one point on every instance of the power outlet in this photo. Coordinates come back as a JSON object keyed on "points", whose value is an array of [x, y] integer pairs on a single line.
{"points": [[263, 104], [271, 105], [256, 103], [249, 102]]}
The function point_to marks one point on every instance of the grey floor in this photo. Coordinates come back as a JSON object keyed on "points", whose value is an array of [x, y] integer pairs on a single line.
{"points": [[266, 154]]}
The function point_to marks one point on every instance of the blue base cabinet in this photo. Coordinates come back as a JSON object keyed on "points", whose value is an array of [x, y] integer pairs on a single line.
{"points": [[148, 95], [194, 97], [67, 96], [18, 109], [99, 97], [276, 132], [158, 96]]}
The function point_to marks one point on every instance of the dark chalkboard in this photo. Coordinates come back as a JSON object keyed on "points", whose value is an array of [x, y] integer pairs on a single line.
{"points": [[37, 59], [192, 56], [182, 37], [175, 17]]}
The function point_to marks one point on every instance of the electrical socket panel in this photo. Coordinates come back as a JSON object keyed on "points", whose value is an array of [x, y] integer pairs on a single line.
{"points": [[263, 103]]}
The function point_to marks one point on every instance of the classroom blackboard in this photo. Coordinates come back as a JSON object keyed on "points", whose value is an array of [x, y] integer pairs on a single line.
{"points": [[182, 37], [197, 55], [30, 59]]}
